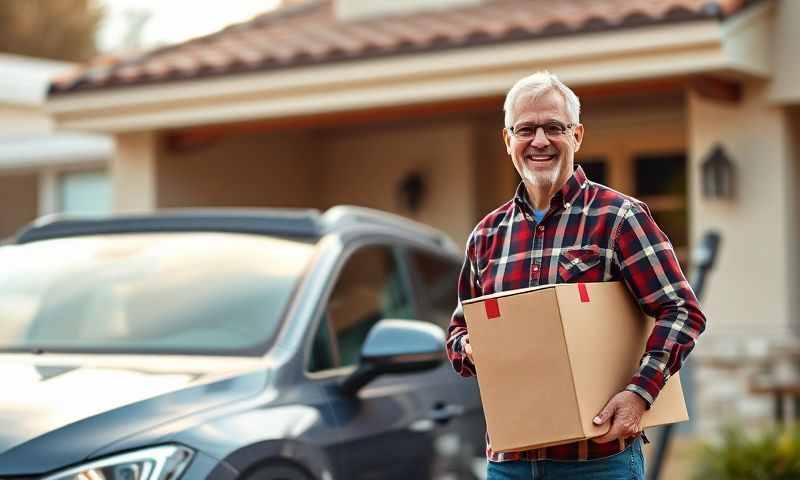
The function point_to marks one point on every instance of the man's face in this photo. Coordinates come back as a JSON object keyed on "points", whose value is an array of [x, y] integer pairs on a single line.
{"points": [[544, 160]]}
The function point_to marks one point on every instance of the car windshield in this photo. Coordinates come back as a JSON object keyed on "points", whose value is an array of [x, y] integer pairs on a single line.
{"points": [[209, 293]]}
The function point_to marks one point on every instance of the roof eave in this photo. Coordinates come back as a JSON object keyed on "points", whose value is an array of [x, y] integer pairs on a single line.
{"points": [[595, 58]]}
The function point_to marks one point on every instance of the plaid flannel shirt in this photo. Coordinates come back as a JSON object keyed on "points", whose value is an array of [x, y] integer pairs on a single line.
{"points": [[590, 233]]}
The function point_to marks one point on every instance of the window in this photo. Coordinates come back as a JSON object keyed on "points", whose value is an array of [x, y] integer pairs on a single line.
{"points": [[438, 279], [661, 184], [595, 169], [368, 289], [85, 192]]}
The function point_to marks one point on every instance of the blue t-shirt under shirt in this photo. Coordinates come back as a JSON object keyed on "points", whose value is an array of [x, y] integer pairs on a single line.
{"points": [[538, 214]]}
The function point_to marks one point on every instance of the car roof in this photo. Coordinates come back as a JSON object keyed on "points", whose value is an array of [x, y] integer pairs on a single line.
{"points": [[299, 223]]}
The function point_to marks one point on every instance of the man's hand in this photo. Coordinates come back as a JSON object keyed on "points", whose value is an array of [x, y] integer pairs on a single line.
{"points": [[467, 348], [624, 410]]}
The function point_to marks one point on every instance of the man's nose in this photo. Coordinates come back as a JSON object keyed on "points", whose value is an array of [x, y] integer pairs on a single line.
{"points": [[540, 139]]}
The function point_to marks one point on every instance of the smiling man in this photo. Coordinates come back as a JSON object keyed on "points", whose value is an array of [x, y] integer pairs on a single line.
{"points": [[562, 227]]}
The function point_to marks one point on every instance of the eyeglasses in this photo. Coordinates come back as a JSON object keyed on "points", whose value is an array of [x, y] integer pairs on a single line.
{"points": [[552, 130]]}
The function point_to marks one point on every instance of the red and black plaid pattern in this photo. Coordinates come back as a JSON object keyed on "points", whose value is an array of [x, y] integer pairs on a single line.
{"points": [[591, 233]]}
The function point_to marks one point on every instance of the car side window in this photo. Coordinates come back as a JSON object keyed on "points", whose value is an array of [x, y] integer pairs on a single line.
{"points": [[323, 350], [438, 278], [369, 288]]}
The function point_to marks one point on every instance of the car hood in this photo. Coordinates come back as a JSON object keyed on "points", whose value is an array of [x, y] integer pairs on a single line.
{"points": [[57, 410]]}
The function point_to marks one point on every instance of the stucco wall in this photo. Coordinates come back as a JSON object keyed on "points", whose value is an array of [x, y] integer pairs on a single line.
{"points": [[133, 172], [322, 168], [495, 179], [362, 166], [748, 294], [786, 69], [276, 169], [18, 201]]}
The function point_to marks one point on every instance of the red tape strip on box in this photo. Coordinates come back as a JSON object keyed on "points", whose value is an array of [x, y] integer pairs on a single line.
{"points": [[584, 293], [492, 308]]}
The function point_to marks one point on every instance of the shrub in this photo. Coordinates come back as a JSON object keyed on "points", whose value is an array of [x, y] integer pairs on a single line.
{"points": [[773, 454]]}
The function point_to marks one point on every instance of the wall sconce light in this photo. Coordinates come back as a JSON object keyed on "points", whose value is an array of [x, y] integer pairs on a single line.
{"points": [[718, 175], [411, 190]]}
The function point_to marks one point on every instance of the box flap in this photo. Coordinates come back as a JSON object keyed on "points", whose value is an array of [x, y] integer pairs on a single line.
{"points": [[507, 293]]}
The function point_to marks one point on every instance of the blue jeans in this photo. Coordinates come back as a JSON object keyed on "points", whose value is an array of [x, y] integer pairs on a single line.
{"points": [[626, 465]]}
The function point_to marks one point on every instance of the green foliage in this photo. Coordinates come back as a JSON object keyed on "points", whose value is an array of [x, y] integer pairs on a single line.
{"points": [[771, 455], [55, 29]]}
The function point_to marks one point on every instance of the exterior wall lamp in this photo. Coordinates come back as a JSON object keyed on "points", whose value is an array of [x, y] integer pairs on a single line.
{"points": [[718, 175], [411, 191]]}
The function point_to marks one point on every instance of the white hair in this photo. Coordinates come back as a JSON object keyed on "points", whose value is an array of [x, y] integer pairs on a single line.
{"points": [[538, 84]]}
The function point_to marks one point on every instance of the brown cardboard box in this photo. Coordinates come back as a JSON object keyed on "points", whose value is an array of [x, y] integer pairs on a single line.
{"points": [[549, 358]]}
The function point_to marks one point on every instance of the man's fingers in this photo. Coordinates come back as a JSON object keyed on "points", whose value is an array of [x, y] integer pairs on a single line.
{"points": [[624, 416], [618, 430], [612, 435], [467, 348], [606, 413], [468, 351]]}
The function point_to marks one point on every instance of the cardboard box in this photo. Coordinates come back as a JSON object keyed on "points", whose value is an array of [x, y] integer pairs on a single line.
{"points": [[548, 359]]}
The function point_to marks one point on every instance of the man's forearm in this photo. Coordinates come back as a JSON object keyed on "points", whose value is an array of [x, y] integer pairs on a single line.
{"points": [[457, 330], [458, 325], [668, 346], [651, 271]]}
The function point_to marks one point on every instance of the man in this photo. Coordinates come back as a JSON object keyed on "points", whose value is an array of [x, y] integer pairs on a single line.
{"points": [[561, 227]]}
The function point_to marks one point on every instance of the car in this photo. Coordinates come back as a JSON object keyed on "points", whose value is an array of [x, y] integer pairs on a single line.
{"points": [[233, 344]]}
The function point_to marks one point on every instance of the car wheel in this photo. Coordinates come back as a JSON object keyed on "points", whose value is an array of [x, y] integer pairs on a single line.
{"points": [[278, 472]]}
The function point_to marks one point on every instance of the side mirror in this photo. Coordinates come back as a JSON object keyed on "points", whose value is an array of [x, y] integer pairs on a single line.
{"points": [[397, 346]]}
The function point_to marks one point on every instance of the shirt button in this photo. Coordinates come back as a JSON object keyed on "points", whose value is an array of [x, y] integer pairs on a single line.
{"points": [[567, 205], [535, 269], [541, 228]]}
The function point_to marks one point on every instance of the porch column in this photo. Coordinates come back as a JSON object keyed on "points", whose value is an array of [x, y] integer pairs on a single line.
{"points": [[749, 295], [48, 192], [749, 289], [133, 175]]}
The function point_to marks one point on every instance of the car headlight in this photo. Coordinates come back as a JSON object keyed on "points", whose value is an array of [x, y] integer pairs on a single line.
{"points": [[157, 463]]}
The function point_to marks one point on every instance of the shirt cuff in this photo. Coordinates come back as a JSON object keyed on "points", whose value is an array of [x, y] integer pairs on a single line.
{"points": [[462, 365], [636, 387], [457, 343]]}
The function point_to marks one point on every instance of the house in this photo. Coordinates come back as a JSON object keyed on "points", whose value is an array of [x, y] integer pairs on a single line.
{"points": [[43, 171], [397, 105]]}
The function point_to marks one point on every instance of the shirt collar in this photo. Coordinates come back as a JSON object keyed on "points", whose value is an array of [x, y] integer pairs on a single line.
{"points": [[565, 197]]}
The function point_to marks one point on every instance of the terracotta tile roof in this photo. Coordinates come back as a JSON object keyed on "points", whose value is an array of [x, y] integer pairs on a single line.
{"points": [[307, 33]]}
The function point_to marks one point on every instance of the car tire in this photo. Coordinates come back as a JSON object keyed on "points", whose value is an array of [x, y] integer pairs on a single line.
{"points": [[278, 472]]}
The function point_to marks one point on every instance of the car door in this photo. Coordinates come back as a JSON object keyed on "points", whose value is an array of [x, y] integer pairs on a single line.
{"points": [[435, 276], [389, 429]]}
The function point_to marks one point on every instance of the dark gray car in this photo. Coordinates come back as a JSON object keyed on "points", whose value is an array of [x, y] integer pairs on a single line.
{"points": [[236, 344]]}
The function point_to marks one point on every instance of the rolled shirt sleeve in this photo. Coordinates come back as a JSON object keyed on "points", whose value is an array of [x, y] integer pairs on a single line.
{"points": [[650, 269], [467, 289]]}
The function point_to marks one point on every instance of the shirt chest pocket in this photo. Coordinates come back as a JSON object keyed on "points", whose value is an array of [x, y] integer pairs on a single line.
{"points": [[580, 264]]}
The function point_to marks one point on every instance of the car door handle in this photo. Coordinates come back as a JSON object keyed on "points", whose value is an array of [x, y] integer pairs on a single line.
{"points": [[442, 413]]}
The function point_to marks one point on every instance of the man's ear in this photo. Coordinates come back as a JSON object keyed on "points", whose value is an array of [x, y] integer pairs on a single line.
{"points": [[577, 134], [507, 140]]}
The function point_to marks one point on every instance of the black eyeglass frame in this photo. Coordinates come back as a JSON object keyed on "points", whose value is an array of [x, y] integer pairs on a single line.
{"points": [[562, 129]]}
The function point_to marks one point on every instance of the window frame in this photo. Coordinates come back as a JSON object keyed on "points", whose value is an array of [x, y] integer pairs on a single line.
{"points": [[423, 300]]}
